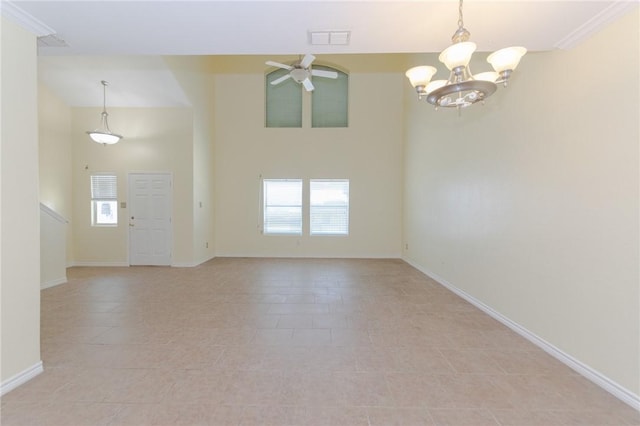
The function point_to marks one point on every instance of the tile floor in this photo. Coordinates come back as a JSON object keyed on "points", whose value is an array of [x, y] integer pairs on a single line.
{"points": [[289, 342]]}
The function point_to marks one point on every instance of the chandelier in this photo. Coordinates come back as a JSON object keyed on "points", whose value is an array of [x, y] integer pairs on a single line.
{"points": [[103, 134], [463, 88]]}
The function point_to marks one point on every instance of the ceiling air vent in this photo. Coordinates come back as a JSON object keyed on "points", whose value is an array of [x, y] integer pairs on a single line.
{"points": [[333, 38]]}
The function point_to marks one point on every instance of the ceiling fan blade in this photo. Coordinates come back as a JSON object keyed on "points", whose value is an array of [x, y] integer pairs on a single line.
{"points": [[323, 73], [279, 65], [306, 61], [280, 79], [308, 85]]}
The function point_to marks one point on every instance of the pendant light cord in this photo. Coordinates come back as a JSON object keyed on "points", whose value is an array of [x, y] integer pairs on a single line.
{"points": [[104, 95]]}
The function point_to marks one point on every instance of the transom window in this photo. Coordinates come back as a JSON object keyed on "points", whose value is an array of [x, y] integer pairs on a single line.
{"points": [[329, 100], [284, 101]]}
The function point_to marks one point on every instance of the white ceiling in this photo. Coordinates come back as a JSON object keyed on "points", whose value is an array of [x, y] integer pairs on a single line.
{"points": [[93, 29]]}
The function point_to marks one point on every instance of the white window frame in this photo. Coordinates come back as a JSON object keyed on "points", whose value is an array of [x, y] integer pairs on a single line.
{"points": [[268, 229], [103, 192], [340, 207]]}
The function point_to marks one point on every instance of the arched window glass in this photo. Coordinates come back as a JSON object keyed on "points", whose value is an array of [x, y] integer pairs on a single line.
{"points": [[330, 100], [284, 101]]}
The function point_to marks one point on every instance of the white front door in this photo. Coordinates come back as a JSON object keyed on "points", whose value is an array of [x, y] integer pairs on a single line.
{"points": [[150, 229]]}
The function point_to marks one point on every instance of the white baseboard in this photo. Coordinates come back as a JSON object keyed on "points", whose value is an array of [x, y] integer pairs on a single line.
{"points": [[21, 378], [53, 283], [100, 264], [596, 377], [126, 264], [184, 264], [391, 256], [191, 264]]}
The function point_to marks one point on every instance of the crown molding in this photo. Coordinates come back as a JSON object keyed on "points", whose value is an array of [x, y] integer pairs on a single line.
{"points": [[609, 14], [15, 14]]}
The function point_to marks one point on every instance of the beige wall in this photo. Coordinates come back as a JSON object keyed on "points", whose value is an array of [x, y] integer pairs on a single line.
{"points": [[155, 140], [368, 153], [53, 259], [530, 203], [54, 134], [20, 210], [193, 75]]}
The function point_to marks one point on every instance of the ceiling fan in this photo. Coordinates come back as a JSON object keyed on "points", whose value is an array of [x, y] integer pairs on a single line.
{"points": [[301, 72]]}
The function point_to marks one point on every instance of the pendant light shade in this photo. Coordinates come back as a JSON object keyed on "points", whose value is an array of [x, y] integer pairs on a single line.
{"points": [[506, 59], [103, 134], [420, 76], [457, 55]]}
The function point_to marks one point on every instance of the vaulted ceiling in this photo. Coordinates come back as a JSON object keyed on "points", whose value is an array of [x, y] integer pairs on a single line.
{"points": [[76, 34]]}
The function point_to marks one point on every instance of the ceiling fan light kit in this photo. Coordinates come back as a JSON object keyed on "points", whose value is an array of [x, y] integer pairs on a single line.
{"points": [[301, 72], [103, 134], [463, 89]]}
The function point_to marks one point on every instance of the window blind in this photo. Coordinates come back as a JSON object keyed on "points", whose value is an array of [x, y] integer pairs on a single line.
{"points": [[284, 101], [329, 100], [282, 206], [104, 187], [329, 207], [104, 203]]}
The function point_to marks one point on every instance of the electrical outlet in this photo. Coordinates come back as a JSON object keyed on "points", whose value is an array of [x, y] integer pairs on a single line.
{"points": [[406, 246], [206, 245]]}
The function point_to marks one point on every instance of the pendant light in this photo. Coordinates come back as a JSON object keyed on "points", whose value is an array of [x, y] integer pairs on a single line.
{"points": [[103, 134]]}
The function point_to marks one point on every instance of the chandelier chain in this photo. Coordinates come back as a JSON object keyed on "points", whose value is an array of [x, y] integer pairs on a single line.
{"points": [[460, 21]]}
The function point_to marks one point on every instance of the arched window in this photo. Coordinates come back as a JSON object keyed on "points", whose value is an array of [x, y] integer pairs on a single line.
{"points": [[284, 101], [329, 100]]}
